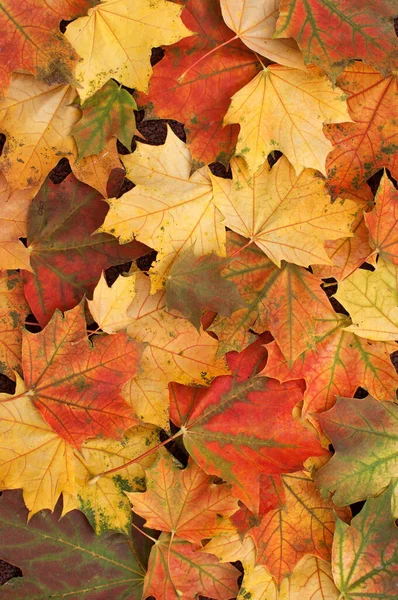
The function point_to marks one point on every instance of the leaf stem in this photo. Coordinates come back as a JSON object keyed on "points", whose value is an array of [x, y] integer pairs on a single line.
{"points": [[232, 39], [94, 479]]}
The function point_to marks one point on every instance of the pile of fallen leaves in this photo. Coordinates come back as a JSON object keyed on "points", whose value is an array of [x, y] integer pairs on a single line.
{"points": [[198, 335]]}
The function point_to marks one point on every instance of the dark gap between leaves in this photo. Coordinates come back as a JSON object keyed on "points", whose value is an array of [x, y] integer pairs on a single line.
{"points": [[61, 171], [30, 324]]}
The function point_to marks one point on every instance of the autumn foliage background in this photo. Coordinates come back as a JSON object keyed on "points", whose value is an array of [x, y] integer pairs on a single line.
{"points": [[198, 296]]}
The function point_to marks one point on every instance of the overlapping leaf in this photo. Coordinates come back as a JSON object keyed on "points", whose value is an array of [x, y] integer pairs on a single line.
{"points": [[178, 568], [288, 217], [37, 120], [382, 222], [364, 435], [284, 109], [41, 467], [168, 210], [242, 404], [104, 501], [365, 552], [67, 260], [196, 80], [254, 23], [76, 385], [185, 502], [109, 113], [13, 310], [175, 351], [196, 284], [371, 299], [305, 526], [339, 364], [287, 301], [103, 40], [32, 42], [64, 556], [371, 141], [331, 33]]}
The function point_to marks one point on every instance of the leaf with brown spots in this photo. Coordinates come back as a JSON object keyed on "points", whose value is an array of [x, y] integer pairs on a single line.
{"points": [[31, 40]]}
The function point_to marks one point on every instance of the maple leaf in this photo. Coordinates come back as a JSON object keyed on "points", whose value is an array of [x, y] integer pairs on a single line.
{"points": [[14, 207], [350, 253], [76, 385], [382, 221], [175, 351], [365, 554], [371, 141], [254, 23], [64, 556], [339, 364], [99, 170], [33, 456], [196, 284], [109, 304], [67, 260], [289, 217], [33, 42], [196, 79], [304, 526], [223, 430], [107, 41], [13, 310], [104, 501], [284, 109], [364, 436], [167, 210], [311, 578], [109, 112], [371, 299], [331, 33], [178, 569], [37, 120], [287, 301], [185, 502]]}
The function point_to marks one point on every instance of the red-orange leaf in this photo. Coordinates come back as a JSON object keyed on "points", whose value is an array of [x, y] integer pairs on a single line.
{"points": [[178, 569], [74, 384], [287, 301], [196, 90], [241, 428], [371, 141], [67, 259], [382, 222], [331, 33], [184, 502], [31, 40], [339, 364], [304, 526]]}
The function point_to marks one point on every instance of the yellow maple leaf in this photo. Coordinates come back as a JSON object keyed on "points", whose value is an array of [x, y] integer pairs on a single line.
{"points": [[33, 457], [255, 23], [37, 120], [289, 217], [104, 501], [285, 109], [371, 298], [116, 38], [312, 578], [109, 304], [175, 351], [168, 210]]}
